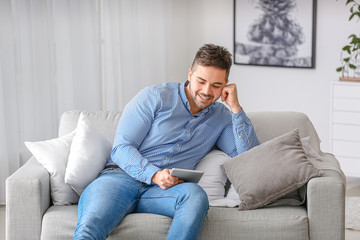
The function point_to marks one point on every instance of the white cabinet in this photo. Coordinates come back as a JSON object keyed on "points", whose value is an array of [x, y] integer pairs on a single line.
{"points": [[345, 126]]}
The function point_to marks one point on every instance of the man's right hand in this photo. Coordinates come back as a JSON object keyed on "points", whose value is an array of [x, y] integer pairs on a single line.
{"points": [[164, 180]]}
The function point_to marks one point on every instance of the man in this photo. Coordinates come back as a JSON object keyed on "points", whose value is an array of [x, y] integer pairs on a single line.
{"points": [[166, 126]]}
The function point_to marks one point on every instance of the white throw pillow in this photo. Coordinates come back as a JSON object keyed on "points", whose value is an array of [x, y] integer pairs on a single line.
{"points": [[53, 155], [214, 179], [88, 155], [232, 194]]}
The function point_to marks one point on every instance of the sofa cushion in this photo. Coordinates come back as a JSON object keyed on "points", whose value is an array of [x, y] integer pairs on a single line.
{"points": [[269, 125], [214, 179], [270, 171], [282, 222], [53, 155], [59, 222], [288, 222], [89, 152], [294, 198], [105, 122]]}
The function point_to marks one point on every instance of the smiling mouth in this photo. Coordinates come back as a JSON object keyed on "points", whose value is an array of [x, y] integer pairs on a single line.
{"points": [[204, 98]]}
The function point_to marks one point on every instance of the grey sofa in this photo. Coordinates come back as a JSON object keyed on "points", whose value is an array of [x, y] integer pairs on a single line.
{"points": [[31, 215]]}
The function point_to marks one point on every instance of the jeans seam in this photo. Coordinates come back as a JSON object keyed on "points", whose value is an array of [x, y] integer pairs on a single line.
{"points": [[162, 196], [126, 211], [121, 217], [165, 196]]}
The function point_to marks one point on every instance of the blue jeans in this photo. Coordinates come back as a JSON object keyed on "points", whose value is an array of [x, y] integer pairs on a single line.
{"points": [[114, 194]]}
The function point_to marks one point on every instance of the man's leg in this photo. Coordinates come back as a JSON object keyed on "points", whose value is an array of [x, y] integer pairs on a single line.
{"points": [[104, 203], [186, 203]]}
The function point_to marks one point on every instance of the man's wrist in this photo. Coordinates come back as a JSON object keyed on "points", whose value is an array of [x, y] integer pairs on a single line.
{"points": [[149, 173], [154, 177], [236, 109], [239, 118]]}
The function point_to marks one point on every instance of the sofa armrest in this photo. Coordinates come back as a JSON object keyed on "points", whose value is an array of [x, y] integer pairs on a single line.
{"points": [[27, 198], [326, 205]]}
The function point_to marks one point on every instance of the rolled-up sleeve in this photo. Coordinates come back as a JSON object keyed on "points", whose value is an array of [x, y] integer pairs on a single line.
{"points": [[238, 136]]}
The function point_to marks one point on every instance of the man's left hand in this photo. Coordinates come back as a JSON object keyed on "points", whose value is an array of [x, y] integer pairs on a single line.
{"points": [[229, 96], [165, 180]]}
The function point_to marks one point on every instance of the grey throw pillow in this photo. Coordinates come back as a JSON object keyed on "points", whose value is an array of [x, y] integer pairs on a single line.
{"points": [[270, 171]]}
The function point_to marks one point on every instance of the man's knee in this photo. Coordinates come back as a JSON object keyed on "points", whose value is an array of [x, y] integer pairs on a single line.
{"points": [[196, 195]]}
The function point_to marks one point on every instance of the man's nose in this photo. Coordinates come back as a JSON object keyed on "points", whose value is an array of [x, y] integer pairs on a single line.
{"points": [[207, 89]]}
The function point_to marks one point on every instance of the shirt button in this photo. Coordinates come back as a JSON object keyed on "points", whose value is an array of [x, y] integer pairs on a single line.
{"points": [[187, 131], [235, 119], [177, 145], [166, 158]]}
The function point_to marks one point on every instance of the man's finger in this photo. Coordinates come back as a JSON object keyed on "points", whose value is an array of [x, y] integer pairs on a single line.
{"points": [[224, 95]]}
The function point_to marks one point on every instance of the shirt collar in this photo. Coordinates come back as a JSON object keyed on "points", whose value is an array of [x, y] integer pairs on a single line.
{"points": [[186, 101]]}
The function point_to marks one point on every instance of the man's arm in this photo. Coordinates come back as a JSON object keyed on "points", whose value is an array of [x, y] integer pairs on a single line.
{"points": [[239, 135], [134, 125]]}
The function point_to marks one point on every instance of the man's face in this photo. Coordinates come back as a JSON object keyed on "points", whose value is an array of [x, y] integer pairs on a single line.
{"points": [[205, 86]]}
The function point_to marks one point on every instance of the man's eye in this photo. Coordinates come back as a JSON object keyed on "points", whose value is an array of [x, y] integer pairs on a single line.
{"points": [[215, 86]]}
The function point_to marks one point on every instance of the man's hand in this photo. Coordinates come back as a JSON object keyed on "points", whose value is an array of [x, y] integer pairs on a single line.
{"points": [[164, 180], [229, 96]]}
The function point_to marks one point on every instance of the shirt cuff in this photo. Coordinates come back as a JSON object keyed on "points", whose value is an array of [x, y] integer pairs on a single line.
{"points": [[149, 173], [239, 117]]}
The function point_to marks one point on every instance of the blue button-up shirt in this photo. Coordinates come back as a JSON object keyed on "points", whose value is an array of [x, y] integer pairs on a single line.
{"points": [[157, 130]]}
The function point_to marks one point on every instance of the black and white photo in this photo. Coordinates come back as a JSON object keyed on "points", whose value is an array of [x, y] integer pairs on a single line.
{"points": [[274, 32]]}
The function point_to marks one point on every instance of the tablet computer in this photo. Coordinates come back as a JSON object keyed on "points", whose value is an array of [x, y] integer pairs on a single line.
{"points": [[187, 175]]}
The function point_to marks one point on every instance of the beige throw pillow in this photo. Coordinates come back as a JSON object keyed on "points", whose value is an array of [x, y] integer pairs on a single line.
{"points": [[270, 171]]}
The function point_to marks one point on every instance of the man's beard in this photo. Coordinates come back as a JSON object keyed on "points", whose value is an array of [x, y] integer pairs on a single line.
{"points": [[208, 99]]}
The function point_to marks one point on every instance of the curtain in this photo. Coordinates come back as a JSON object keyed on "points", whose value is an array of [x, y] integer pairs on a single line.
{"points": [[59, 55]]}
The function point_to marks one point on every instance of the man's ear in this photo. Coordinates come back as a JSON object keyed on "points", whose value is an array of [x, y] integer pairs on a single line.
{"points": [[189, 74], [226, 82]]}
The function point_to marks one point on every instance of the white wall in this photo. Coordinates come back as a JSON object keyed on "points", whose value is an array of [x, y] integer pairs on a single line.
{"points": [[274, 88]]}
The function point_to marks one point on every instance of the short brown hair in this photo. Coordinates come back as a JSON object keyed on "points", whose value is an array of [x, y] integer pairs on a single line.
{"points": [[213, 55]]}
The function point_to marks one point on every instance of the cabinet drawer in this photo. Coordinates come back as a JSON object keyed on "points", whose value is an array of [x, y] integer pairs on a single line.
{"points": [[350, 166], [346, 104], [346, 149], [346, 132], [346, 117], [352, 91]]}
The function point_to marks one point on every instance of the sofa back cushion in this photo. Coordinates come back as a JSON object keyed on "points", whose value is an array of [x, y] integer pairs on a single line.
{"points": [[105, 122], [269, 125]]}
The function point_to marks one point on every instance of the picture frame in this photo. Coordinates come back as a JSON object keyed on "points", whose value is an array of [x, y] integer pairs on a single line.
{"points": [[278, 33]]}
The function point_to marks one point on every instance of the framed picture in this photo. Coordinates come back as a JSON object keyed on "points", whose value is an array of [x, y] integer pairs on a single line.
{"points": [[277, 33]]}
